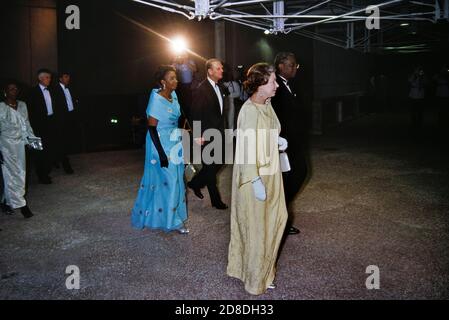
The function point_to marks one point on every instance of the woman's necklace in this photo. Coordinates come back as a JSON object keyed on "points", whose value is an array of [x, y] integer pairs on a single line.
{"points": [[12, 105], [168, 97]]}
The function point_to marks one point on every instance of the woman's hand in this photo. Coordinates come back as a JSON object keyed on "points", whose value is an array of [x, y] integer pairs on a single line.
{"points": [[164, 161], [282, 143]]}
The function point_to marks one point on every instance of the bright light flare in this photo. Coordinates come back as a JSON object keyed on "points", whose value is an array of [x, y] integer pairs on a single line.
{"points": [[178, 45]]}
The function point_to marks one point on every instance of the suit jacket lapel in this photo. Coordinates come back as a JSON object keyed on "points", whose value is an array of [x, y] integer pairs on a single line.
{"points": [[281, 82], [215, 98], [44, 111]]}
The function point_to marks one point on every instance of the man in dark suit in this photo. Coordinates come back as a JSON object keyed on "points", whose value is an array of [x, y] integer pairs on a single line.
{"points": [[41, 110], [207, 107], [293, 121], [66, 109]]}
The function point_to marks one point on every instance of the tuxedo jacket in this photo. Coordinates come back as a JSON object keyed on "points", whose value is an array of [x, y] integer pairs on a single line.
{"points": [[61, 104], [42, 124], [206, 107], [291, 114]]}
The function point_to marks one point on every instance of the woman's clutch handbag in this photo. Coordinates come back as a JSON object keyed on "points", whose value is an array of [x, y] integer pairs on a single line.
{"points": [[191, 170], [284, 162], [35, 143]]}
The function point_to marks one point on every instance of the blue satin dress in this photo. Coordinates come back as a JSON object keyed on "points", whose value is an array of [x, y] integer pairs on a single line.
{"points": [[161, 200]]}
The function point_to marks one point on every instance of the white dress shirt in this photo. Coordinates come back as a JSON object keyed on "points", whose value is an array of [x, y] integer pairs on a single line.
{"points": [[47, 98], [217, 91], [68, 97], [286, 83]]}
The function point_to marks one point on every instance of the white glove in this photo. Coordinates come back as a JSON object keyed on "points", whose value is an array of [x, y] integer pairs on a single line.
{"points": [[283, 144], [259, 189]]}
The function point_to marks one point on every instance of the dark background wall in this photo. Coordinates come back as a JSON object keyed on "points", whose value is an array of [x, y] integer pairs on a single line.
{"points": [[120, 44], [113, 58], [110, 54], [29, 38]]}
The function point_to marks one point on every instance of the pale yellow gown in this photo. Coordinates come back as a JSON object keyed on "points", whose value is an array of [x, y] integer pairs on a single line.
{"points": [[256, 226]]}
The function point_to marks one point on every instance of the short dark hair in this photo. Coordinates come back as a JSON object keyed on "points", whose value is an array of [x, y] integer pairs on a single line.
{"points": [[257, 75], [63, 72], [43, 70], [210, 62], [281, 57], [162, 72]]}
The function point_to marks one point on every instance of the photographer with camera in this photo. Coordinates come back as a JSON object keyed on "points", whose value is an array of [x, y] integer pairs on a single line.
{"points": [[418, 85], [185, 70]]}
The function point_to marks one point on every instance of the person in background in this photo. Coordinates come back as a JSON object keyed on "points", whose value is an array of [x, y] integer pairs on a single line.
{"points": [[66, 107], [5, 208], [15, 133], [185, 69], [258, 209], [418, 85], [234, 92], [2, 185], [161, 200], [293, 118], [441, 80], [42, 114]]}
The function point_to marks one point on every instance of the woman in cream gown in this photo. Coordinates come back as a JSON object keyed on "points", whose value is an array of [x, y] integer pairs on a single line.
{"points": [[15, 133], [258, 209]]}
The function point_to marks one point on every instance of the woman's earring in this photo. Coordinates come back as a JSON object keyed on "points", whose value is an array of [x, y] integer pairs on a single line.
{"points": [[163, 86]]}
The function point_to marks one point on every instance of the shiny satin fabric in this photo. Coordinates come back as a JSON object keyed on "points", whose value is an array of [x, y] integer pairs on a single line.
{"points": [[257, 226], [15, 129]]}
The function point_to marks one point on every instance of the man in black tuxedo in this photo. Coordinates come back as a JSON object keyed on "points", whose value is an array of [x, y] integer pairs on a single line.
{"points": [[207, 107], [293, 119], [42, 114], [66, 109]]}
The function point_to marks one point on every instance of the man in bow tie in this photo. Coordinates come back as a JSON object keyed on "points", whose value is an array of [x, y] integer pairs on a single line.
{"points": [[208, 108], [42, 116], [293, 121], [66, 107]]}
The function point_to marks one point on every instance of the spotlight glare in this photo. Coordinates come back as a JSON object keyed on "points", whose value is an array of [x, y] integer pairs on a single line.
{"points": [[267, 32], [178, 45]]}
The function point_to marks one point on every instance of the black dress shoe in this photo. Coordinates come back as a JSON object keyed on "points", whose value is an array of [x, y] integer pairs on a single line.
{"points": [[220, 206], [45, 180], [196, 191], [26, 212], [7, 209], [293, 230]]}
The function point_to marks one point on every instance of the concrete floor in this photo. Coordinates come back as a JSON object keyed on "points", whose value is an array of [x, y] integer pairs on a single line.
{"points": [[374, 197]]}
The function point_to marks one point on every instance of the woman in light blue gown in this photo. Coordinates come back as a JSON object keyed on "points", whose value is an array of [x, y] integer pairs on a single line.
{"points": [[161, 200]]}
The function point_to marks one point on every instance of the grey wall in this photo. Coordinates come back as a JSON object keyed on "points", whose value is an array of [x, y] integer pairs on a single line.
{"points": [[338, 71], [28, 30]]}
